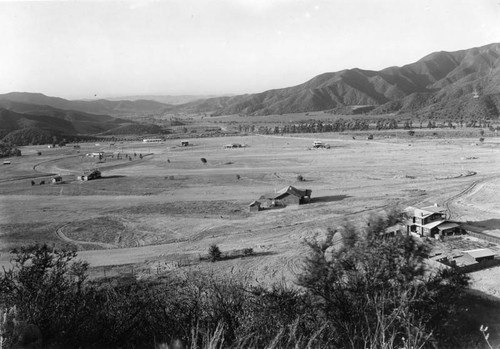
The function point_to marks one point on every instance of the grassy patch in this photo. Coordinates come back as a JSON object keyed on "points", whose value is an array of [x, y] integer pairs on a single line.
{"points": [[193, 208], [21, 234], [101, 229]]}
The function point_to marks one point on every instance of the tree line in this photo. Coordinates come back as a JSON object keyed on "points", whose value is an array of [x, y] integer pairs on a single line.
{"points": [[342, 125]]}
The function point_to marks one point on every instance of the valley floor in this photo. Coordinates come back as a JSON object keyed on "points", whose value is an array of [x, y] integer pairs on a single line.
{"points": [[170, 206]]}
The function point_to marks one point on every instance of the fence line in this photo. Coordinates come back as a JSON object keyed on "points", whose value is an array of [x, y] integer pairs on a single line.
{"points": [[484, 236]]}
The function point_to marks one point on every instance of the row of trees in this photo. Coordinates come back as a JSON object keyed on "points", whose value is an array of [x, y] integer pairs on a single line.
{"points": [[357, 289], [308, 127], [342, 125]]}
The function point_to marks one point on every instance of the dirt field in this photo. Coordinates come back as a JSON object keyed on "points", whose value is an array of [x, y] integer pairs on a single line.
{"points": [[171, 204]]}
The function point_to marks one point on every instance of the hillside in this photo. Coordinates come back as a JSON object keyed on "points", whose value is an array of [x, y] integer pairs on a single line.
{"points": [[443, 84], [101, 106], [22, 123], [165, 99]]}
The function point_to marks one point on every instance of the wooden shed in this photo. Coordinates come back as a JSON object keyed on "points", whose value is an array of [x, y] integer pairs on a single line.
{"points": [[87, 176], [289, 196], [254, 206], [481, 254], [56, 180]]}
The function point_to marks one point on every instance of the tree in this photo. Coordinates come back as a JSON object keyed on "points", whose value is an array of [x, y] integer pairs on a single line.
{"points": [[214, 253], [372, 289], [45, 287]]}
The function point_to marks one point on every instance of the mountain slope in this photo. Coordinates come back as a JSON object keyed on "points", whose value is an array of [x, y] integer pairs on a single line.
{"points": [[101, 106], [464, 83]]}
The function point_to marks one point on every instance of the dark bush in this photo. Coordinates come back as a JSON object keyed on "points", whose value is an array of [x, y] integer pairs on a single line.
{"points": [[214, 253], [247, 251]]}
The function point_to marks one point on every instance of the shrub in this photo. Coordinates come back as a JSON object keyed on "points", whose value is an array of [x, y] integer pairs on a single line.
{"points": [[247, 251], [300, 178], [203, 160], [372, 290], [44, 286], [214, 253]]}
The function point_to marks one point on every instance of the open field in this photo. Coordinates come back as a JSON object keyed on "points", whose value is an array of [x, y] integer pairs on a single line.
{"points": [[170, 205]]}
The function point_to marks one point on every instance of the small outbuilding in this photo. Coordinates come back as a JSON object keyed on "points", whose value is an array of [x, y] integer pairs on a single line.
{"points": [[288, 196], [254, 206], [6, 162], [87, 176], [56, 180], [481, 254]]}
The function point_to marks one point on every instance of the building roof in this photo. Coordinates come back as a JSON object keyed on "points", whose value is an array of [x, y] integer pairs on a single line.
{"points": [[433, 224], [254, 203], [425, 211], [448, 225], [294, 191], [464, 260], [87, 172], [480, 252], [434, 209], [300, 193]]}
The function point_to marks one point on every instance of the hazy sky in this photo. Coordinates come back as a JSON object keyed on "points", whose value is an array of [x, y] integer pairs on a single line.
{"points": [[81, 49]]}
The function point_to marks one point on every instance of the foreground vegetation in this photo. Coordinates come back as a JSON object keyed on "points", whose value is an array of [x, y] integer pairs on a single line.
{"points": [[358, 289]]}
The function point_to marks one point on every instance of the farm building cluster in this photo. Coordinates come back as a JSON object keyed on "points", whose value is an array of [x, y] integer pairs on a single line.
{"points": [[284, 197], [89, 175], [431, 221]]}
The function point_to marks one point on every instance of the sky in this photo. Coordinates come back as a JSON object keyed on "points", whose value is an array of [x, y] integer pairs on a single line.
{"points": [[98, 49]]}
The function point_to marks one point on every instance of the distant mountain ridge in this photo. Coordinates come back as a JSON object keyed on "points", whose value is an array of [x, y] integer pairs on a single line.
{"points": [[31, 118], [165, 99], [100, 106], [445, 84]]}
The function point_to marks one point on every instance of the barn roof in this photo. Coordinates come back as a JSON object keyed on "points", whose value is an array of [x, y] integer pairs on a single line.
{"points": [[448, 225], [433, 224], [480, 252], [290, 190], [293, 191]]}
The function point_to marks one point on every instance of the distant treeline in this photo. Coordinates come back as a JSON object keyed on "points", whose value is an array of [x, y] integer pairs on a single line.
{"points": [[7, 150], [342, 125]]}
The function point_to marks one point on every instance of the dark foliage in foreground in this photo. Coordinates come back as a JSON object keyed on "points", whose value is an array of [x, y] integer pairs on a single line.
{"points": [[363, 290]]}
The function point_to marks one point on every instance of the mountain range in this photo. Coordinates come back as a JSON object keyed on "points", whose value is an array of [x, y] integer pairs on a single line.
{"points": [[35, 118], [100, 106], [457, 84], [441, 85]]}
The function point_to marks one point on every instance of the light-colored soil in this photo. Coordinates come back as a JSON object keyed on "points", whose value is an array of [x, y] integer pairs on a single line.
{"points": [[171, 204]]}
